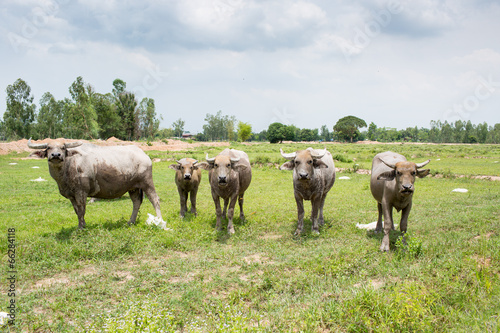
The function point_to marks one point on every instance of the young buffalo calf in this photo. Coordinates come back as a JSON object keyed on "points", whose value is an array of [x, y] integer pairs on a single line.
{"points": [[187, 179]]}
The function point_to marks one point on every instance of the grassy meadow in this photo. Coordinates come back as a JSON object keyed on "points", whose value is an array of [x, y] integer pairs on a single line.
{"points": [[114, 278]]}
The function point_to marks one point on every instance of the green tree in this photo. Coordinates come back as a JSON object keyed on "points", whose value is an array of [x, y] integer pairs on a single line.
{"points": [[148, 123], [80, 116], [126, 106], [372, 132], [244, 131], [276, 132], [291, 132], [348, 127], [178, 127], [20, 113], [219, 127], [307, 134], [325, 134], [107, 116], [50, 117], [119, 87]]}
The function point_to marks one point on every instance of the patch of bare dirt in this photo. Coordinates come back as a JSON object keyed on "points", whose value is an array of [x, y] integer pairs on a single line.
{"points": [[171, 145]]}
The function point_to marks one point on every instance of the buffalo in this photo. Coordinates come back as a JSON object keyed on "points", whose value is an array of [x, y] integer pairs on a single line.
{"points": [[392, 185], [84, 170], [230, 175], [187, 179], [313, 177]]}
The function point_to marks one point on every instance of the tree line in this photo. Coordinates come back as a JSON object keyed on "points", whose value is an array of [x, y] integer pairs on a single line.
{"points": [[86, 115], [92, 115]]}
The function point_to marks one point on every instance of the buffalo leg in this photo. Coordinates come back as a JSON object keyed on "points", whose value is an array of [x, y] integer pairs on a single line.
{"points": [[379, 227], [316, 203], [192, 196], [154, 199], [388, 226], [403, 224], [321, 219], [226, 202], [79, 204], [230, 214], [136, 197], [218, 210], [300, 215], [240, 202], [183, 199]]}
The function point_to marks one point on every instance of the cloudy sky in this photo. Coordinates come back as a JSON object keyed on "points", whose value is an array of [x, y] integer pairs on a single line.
{"points": [[396, 63]]}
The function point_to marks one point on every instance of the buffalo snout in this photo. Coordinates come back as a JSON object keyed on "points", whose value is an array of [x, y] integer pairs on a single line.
{"points": [[303, 175], [222, 180], [187, 176]]}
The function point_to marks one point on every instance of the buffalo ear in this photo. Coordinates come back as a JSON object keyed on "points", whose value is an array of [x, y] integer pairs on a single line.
{"points": [[422, 173], [72, 152], [174, 166], [287, 165], [204, 165], [388, 175], [318, 164], [39, 153], [239, 167]]}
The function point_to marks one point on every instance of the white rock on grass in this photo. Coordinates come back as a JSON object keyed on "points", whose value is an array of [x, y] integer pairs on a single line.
{"points": [[35, 167], [39, 179], [13, 163], [461, 190], [344, 177], [370, 226]]}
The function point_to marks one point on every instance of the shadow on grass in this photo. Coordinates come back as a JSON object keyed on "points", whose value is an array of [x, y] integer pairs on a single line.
{"points": [[393, 237], [67, 233], [222, 235]]}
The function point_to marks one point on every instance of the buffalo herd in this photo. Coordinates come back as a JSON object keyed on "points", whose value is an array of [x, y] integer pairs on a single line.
{"points": [[84, 170]]}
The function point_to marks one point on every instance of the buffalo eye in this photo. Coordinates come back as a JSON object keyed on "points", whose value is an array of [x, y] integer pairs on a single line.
{"points": [[297, 162], [413, 173], [228, 165], [216, 165], [399, 173], [309, 162]]}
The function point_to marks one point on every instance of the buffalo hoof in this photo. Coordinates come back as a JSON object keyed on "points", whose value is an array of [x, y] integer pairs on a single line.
{"points": [[298, 232], [242, 218], [384, 247], [315, 232], [230, 230], [378, 230]]}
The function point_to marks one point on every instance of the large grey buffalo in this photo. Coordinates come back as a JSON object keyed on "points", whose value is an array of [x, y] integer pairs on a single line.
{"points": [[86, 170], [230, 175], [187, 179], [392, 186], [313, 177]]}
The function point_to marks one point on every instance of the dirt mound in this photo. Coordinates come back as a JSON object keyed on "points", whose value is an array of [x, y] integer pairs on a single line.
{"points": [[171, 145]]}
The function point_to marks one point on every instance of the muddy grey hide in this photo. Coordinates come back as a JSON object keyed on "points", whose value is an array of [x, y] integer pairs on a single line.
{"points": [[230, 175], [392, 185], [313, 177], [84, 170]]}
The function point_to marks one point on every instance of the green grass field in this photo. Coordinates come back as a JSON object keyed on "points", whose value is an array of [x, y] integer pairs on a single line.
{"points": [[115, 278]]}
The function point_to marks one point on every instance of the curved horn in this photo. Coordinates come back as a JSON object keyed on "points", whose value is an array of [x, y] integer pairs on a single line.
{"points": [[421, 165], [37, 145], [73, 144], [392, 166], [234, 159], [210, 160], [289, 156], [317, 155], [195, 161]]}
